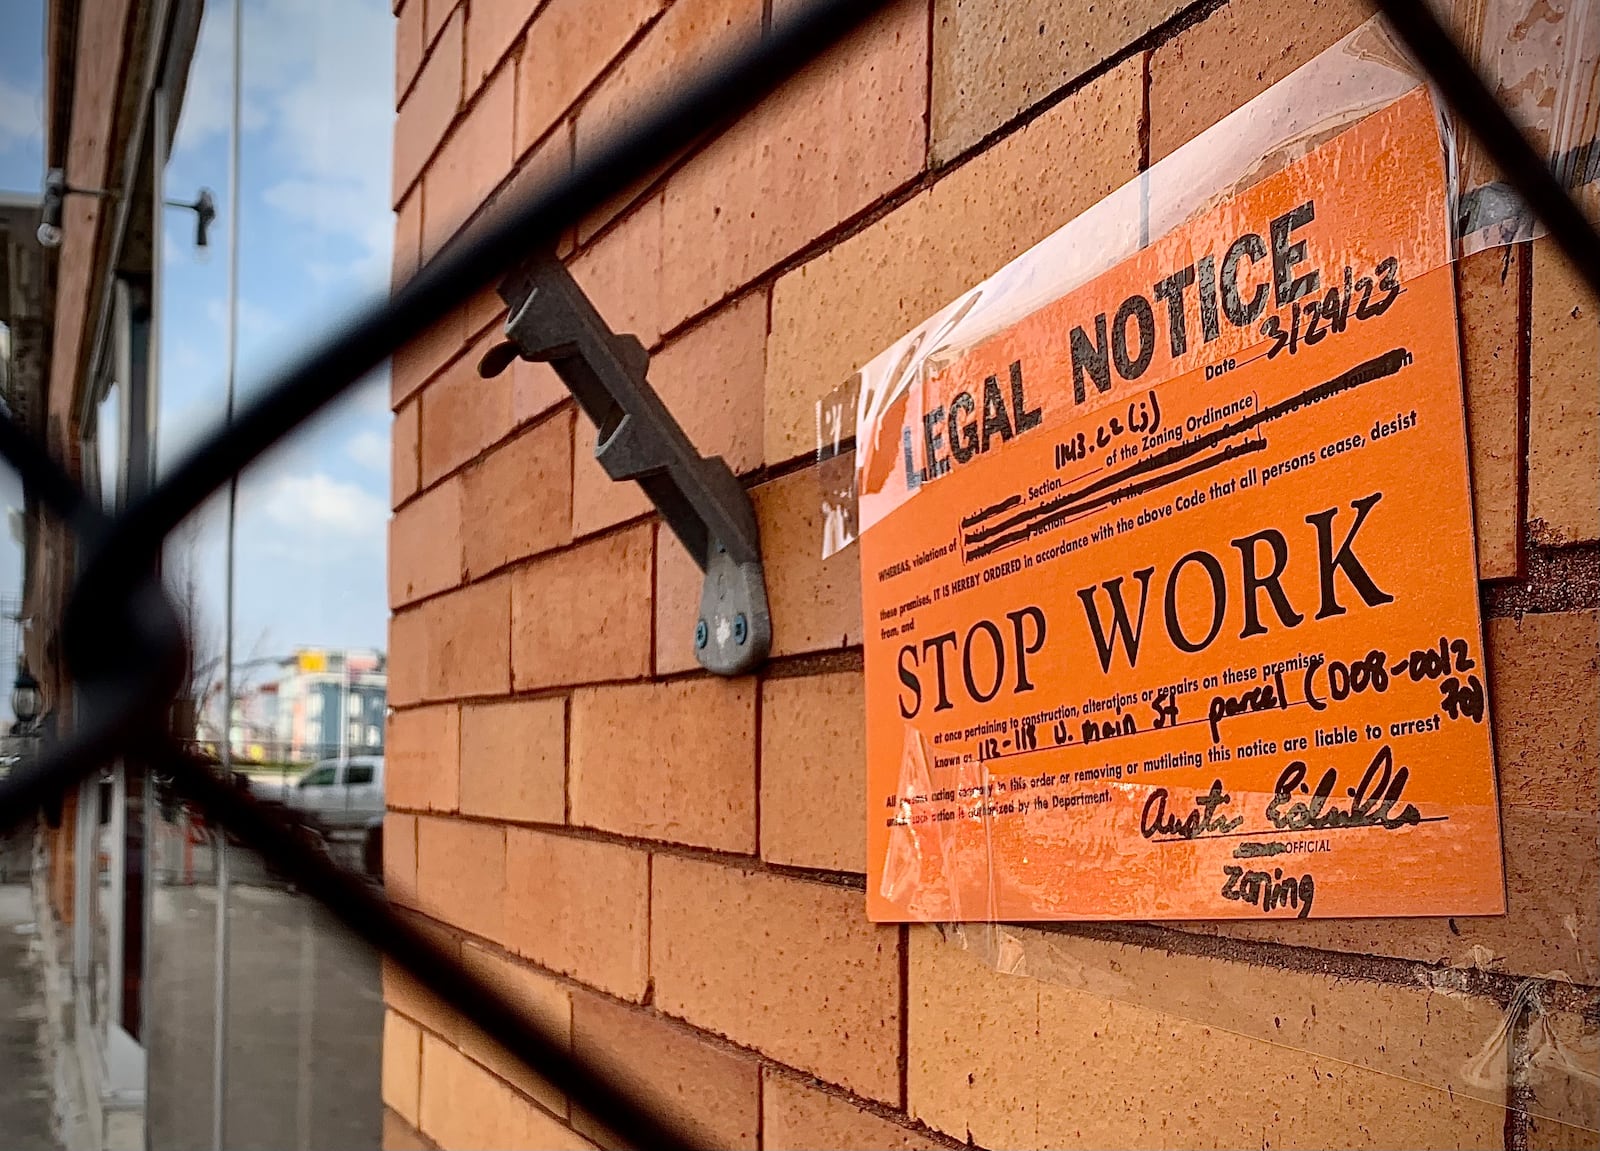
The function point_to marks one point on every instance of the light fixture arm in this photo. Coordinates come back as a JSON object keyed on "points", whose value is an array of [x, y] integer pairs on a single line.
{"points": [[204, 206]]}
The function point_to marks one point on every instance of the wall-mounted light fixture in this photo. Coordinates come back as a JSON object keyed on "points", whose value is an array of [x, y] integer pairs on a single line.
{"points": [[56, 190], [53, 205], [27, 699], [205, 211]]}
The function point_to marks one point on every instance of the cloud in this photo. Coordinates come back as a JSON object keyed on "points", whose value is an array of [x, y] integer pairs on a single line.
{"points": [[182, 428], [370, 396], [349, 208], [208, 96], [21, 115], [317, 508], [370, 449], [318, 115], [258, 327]]}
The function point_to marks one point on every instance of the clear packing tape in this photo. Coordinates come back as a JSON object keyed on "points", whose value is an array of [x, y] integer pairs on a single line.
{"points": [[1534, 1050], [1524, 1026], [1436, 1007], [1542, 58]]}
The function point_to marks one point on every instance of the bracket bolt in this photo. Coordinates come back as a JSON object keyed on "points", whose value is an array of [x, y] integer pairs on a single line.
{"points": [[701, 635], [741, 629]]}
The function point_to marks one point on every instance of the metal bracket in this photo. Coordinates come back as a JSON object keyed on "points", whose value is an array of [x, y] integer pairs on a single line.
{"points": [[553, 321]]}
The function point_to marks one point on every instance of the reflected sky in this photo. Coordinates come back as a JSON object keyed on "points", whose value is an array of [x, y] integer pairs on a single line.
{"points": [[315, 237], [316, 233]]}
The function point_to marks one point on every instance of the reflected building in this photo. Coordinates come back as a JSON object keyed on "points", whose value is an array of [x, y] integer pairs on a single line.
{"points": [[330, 704]]}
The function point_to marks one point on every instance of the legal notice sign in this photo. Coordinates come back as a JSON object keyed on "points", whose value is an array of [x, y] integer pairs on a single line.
{"points": [[1169, 585]]}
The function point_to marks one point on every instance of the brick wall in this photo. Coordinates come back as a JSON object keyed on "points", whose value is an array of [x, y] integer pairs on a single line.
{"points": [[105, 52], [661, 892]]}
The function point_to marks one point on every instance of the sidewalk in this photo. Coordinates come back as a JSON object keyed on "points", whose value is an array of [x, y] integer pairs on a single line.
{"points": [[28, 1120]]}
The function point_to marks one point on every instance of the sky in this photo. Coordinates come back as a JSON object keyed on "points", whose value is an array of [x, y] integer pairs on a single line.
{"points": [[315, 234]]}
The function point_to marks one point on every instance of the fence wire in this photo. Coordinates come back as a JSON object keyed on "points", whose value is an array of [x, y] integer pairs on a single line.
{"points": [[120, 633]]}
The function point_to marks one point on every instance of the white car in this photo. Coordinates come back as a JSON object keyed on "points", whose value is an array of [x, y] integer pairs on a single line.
{"points": [[339, 795]]}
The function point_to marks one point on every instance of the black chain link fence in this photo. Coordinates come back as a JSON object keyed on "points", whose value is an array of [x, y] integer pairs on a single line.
{"points": [[121, 635]]}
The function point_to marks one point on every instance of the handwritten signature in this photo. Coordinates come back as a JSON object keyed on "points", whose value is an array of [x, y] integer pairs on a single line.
{"points": [[1375, 801]]}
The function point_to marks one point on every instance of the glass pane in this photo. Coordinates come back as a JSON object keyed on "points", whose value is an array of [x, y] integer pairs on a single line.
{"points": [[302, 1008], [108, 445], [182, 973]]}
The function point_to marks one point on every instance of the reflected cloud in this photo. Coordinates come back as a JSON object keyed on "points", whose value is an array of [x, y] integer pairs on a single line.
{"points": [[370, 449], [21, 115], [319, 507]]}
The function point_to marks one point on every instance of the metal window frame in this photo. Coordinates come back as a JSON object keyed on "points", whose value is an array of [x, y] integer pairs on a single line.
{"points": [[120, 632]]}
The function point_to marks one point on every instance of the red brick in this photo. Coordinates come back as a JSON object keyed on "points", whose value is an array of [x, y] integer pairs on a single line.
{"points": [[492, 29], [682, 767], [481, 311], [1234, 55], [994, 61], [398, 1135], [788, 967], [696, 1085], [403, 463], [464, 1106], [1564, 403], [845, 132], [400, 857], [407, 238], [462, 414], [546, 1004], [408, 657], [596, 220], [815, 603], [408, 46], [412, 999], [710, 379], [622, 274], [472, 162], [423, 758], [427, 111], [813, 760], [598, 501], [836, 312], [425, 548], [1489, 291], [567, 48], [1546, 748], [435, 16], [452, 646], [689, 35], [402, 1065], [518, 498], [425, 356], [535, 389], [583, 615], [582, 909], [472, 644], [514, 760], [1311, 1060], [796, 1117], [461, 875], [678, 584]]}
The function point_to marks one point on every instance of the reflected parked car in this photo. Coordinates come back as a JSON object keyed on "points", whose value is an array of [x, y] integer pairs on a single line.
{"points": [[334, 795]]}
